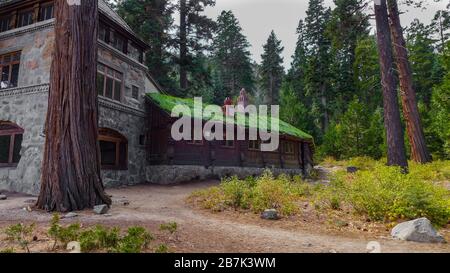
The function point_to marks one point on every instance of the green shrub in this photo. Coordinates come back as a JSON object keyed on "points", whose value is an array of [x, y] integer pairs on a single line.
{"points": [[99, 237], [256, 194], [7, 250], [136, 239], [170, 227], [384, 193], [277, 193], [211, 198], [20, 234], [237, 192], [162, 248]]}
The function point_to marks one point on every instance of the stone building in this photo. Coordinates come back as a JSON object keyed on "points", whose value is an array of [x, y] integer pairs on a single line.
{"points": [[123, 81], [26, 44]]}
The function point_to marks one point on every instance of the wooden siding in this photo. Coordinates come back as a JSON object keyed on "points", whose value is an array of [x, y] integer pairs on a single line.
{"points": [[164, 150]]}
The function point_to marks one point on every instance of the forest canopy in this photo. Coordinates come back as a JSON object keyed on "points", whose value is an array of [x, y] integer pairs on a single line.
{"points": [[332, 89]]}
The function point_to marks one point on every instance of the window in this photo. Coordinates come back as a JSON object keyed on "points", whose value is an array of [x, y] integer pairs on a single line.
{"points": [[117, 41], [5, 23], [103, 33], [135, 92], [113, 149], [254, 145], [25, 18], [288, 147], [46, 12], [11, 137], [109, 82], [9, 68], [134, 52]]}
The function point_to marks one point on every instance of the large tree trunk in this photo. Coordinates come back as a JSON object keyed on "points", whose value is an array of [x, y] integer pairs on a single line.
{"points": [[396, 153], [71, 168], [183, 46], [419, 151]]}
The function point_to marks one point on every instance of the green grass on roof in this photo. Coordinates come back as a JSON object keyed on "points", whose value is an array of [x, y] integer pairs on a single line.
{"points": [[167, 103]]}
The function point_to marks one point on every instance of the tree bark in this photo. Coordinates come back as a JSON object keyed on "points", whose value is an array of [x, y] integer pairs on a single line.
{"points": [[71, 167], [396, 153], [183, 46], [419, 151]]}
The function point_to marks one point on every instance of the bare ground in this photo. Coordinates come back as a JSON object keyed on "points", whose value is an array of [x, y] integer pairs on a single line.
{"points": [[203, 231]]}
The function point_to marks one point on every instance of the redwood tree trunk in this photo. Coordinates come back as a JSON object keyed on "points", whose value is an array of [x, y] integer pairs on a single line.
{"points": [[183, 46], [71, 167], [419, 151], [396, 153]]}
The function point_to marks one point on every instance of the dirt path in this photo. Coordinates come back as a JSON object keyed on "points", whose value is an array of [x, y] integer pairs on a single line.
{"points": [[202, 231]]}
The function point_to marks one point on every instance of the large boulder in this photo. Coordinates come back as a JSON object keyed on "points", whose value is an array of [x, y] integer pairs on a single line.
{"points": [[2, 197], [419, 230]]}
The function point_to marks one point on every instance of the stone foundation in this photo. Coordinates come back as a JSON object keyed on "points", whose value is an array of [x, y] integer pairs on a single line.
{"points": [[172, 174]]}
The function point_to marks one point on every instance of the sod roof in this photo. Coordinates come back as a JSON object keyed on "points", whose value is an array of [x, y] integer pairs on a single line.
{"points": [[167, 103]]}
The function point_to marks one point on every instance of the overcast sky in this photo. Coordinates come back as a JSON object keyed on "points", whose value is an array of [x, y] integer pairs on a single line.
{"points": [[259, 17]]}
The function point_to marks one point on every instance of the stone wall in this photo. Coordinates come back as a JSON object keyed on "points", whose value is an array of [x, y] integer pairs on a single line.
{"points": [[172, 174], [26, 106], [131, 124]]}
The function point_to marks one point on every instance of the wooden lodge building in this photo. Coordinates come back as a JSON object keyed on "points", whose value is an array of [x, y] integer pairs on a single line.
{"points": [[134, 114]]}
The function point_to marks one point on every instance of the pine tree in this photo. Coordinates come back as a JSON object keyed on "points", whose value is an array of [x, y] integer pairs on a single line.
{"points": [[318, 76], [423, 60], [195, 31], [441, 26], [272, 70], [152, 21], [296, 74], [347, 25], [367, 73], [232, 56], [440, 111]]}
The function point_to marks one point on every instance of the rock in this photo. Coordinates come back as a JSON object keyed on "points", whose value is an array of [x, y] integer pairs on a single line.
{"points": [[70, 215], [270, 214], [419, 230], [352, 169], [74, 247], [101, 209], [121, 202], [341, 223], [2, 197]]}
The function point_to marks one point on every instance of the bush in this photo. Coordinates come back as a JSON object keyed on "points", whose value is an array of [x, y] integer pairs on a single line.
{"points": [[20, 234], [384, 193], [162, 248], [278, 193], [7, 251], [256, 194], [136, 239], [170, 227], [99, 237]]}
